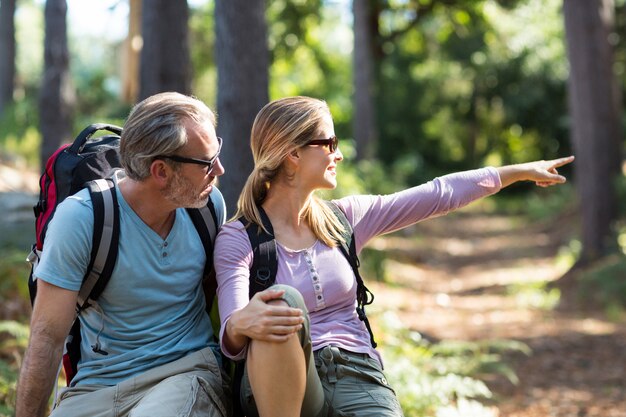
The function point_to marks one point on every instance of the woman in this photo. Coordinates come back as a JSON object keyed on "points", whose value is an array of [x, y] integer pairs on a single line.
{"points": [[313, 306]]}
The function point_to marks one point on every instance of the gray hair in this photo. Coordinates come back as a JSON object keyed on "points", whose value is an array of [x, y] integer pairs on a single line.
{"points": [[156, 126]]}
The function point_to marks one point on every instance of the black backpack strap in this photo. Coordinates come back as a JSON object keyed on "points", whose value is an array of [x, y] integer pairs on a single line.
{"points": [[205, 221], [265, 261], [106, 235], [363, 295], [87, 133]]}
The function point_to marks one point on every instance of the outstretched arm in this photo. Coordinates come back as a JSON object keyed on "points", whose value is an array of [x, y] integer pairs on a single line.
{"points": [[543, 173]]}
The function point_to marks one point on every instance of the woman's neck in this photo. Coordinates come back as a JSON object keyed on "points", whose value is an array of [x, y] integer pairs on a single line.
{"points": [[284, 206]]}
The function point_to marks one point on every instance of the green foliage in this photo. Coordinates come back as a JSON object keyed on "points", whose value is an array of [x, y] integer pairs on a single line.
{"points": [[620, 186], [537, 204], [472, 83], [8, 381], [309, 44], [604, 284], [535, 295], [202, 39], [13, 340], [445, 377], [14, 272], [29, 30], [19, 136], [459, 84]]}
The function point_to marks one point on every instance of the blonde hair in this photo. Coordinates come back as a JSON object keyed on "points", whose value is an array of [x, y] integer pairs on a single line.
{"points": [[157, 126], [279, 128]]}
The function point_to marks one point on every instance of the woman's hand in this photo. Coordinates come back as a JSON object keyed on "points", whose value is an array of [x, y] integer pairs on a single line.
{"points": [[543, 173], [266, 318]]}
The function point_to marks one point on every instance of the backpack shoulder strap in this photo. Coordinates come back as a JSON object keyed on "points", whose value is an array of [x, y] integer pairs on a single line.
{"points": [[205, 221], [348, 247], [265, 261], [106, 234]]}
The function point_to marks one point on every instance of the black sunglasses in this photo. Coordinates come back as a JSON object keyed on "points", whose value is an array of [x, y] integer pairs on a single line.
{"points": [[207, 163], [332, 143]]}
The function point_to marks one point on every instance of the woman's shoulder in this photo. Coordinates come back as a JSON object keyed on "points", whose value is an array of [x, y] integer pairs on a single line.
{"points": [[232, 241], [354, 206], [232, 228]]}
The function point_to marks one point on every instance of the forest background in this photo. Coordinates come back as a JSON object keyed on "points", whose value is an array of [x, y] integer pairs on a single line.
{"points": [[417, 88]]}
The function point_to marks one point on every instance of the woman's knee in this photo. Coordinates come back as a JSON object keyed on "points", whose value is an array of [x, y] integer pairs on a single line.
{"points": [[292, 296], [294, 299]]}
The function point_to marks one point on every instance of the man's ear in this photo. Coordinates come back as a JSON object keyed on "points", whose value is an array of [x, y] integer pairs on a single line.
{"points": [[160, 171]]}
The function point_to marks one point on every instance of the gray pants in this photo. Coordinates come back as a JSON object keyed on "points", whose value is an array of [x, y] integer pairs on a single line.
{"points": [[192, 386], [339, 383]]}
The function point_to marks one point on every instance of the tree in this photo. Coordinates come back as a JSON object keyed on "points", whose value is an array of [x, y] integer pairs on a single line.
{"points": [[56, 96], [132, 49], [7, 52], [595, 110], [364, 121], [242, 68], [165, 58]]}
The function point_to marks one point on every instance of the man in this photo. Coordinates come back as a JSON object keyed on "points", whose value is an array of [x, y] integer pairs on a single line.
{"points": [[146, 345]]}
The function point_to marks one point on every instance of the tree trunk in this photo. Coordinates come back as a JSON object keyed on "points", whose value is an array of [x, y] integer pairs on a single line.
{"points": [[7, 53], [56, 96], [365, 127], [242, 69], [165, 57], [132, 49], [595, 109]]}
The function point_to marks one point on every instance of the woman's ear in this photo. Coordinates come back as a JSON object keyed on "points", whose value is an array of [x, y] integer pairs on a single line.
{"points": [[294, 156]]}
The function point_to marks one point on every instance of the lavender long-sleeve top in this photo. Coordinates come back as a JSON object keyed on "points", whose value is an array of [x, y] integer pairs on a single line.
{"points": [[322, 274]]}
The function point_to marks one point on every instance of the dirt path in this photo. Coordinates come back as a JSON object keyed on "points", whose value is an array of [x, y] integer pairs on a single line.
{"points": [[455, 282]]}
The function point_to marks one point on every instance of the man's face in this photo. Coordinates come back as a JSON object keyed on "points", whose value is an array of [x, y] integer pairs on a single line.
{"points": [[192, 183]]}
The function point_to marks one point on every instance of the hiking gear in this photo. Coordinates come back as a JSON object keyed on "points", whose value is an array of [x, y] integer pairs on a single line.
{"points": [[265, 261]]}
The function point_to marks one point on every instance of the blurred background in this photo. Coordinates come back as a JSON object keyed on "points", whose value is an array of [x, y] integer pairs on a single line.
{"points": [[513, 306]]}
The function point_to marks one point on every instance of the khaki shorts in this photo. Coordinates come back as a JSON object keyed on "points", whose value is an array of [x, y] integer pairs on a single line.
{"points": [[192, 386], [339, 383]]}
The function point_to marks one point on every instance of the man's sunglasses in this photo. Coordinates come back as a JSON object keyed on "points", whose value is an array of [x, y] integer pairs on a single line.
{"points": [[210, 164], [332, 143]]}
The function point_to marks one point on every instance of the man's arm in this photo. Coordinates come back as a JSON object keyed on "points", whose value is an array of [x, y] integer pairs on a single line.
{"points": [[53, 314]]}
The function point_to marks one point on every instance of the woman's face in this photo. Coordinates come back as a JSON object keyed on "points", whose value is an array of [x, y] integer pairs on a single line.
{"points": [[318, 163]]}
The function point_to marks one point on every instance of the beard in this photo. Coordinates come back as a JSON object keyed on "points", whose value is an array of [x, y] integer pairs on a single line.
{"points": [[182, 193]]}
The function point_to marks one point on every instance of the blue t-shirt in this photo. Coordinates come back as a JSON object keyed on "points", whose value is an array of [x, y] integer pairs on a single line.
{"points": [[152, 311]]}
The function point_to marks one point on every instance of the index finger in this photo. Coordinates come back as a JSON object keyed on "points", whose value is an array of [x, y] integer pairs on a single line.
{"points": [[562, 161], [276, 310]]}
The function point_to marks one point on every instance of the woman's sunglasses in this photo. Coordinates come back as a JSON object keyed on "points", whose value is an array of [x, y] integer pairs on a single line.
{"points": [[332, 143]]}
